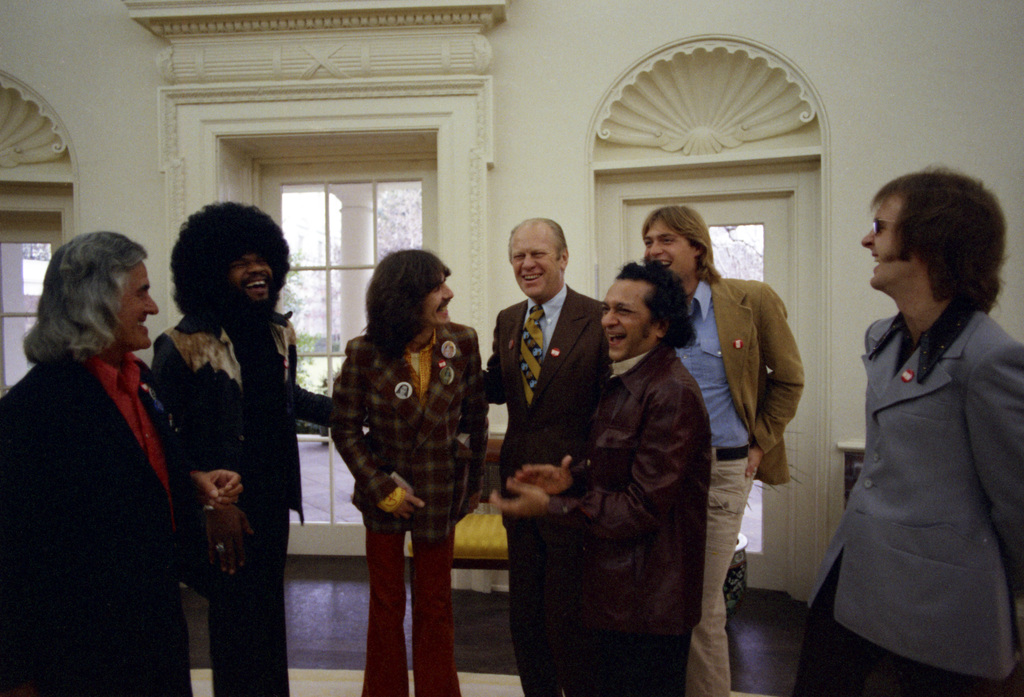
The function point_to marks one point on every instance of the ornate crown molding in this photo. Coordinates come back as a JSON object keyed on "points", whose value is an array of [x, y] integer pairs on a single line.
{"points": [[171, 98], [230, 41], [30, 132], [314, 58], [459, 109], [704, 96]]}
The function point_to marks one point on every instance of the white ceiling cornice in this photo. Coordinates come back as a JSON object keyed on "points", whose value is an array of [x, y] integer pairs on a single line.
{"points": [[218, 41], [176, 18]]}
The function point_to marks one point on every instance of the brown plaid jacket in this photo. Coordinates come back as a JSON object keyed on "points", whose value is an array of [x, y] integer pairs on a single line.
{"points": [[378, 432]]}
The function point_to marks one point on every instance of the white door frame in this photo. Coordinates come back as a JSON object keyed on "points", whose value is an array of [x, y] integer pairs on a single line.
{"points": [[793, 266]]}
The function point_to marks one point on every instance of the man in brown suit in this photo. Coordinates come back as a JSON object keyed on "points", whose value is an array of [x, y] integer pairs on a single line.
{"points": [[548, 418], [641, 493]]}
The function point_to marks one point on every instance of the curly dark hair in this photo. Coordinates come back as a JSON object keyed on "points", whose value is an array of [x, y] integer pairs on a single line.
{"points": [[394, 298], [210, 240], [666, 299], [956, 226]]}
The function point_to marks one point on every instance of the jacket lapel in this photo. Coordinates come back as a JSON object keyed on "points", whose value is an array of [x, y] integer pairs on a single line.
{"points": [[440, 395], [887, 388], [389, 374], [570, 325], [514, 330], [421, 418], [734, 320], [122, 445]]}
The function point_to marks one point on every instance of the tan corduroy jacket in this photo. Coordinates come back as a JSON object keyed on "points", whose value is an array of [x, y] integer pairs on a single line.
{"points": [[756, 339]]}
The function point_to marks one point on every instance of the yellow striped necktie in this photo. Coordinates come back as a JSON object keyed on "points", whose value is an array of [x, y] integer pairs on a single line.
{"points": [[531, 348]]}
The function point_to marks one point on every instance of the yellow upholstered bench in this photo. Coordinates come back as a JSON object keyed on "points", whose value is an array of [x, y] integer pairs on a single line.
{"points": [[480, 542]]}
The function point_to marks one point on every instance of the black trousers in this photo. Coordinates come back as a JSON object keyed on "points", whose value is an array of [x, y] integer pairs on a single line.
{"points": [[641, 665], [248, 646], [552, 647], [835, 662]]}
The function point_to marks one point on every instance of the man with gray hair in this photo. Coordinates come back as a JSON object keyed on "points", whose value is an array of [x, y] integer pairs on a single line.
{"points": [[549, 361], [96, 492]]}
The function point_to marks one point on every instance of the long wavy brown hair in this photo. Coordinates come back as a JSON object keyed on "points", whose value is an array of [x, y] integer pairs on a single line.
{"points": [[394, 298]]}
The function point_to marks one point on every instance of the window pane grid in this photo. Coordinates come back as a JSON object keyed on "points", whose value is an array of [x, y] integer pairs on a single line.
{"points": [[350, 239], [22, 267]]}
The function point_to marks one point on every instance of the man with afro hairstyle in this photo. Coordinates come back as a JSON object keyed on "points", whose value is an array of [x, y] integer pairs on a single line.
{"points": [[227, 376]]}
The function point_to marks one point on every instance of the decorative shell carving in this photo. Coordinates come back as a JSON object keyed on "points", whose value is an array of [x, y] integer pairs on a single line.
{"points": [[704, 101], [26, 136]]}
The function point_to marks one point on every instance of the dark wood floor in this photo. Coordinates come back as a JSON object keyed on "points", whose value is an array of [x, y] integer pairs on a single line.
{"points": [[326, 599]]}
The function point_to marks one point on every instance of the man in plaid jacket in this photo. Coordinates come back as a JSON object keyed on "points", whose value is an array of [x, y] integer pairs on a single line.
{"points": [[410, 421]]}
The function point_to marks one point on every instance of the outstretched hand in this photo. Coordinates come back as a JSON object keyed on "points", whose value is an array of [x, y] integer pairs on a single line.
{"points": [[530, 502], [553, 480]]}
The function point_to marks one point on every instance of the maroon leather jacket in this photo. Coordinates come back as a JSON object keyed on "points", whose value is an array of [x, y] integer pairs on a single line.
{"points": [[642, 494]]}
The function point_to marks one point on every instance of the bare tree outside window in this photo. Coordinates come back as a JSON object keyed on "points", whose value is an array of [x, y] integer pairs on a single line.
{"points": [[739, 251], [399, 217]]}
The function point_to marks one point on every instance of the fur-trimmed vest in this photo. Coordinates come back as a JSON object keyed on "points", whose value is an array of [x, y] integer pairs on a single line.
{"points": [[201, 386]]}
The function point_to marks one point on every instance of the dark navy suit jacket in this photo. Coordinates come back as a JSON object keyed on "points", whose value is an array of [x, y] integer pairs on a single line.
{"points": [[89, 596]]}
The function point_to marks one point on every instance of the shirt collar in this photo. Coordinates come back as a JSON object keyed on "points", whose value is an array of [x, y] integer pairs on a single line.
{"points": [[427, 349], [935, 340], [554, 305], [624, 366], [124, 379], [703, 297]]}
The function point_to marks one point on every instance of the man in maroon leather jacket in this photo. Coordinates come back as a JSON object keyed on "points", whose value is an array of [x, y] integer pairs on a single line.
{"points": [[640, 494]]}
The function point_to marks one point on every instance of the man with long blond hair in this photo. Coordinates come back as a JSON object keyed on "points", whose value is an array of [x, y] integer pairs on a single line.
{"points": [[748, 366]]}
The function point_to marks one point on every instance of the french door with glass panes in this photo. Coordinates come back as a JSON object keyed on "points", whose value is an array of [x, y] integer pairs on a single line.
{"points": [[765, 224], [27, 240], [338, 226]]}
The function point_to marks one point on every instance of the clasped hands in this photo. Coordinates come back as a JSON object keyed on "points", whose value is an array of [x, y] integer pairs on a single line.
{"points": [[217, 488], [533, 487], [226, 524]]}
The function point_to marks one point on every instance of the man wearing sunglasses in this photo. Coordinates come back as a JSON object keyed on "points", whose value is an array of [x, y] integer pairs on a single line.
{"points": [[920, 575]]}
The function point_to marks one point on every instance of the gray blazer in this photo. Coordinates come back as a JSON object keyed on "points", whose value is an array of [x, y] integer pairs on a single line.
{"points": [[932, 539]]}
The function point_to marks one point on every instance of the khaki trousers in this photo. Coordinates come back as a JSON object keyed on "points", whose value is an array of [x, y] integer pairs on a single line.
{"points": [[707, 671]]}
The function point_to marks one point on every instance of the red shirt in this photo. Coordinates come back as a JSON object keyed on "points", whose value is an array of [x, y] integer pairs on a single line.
{"points": [[123, 387]]}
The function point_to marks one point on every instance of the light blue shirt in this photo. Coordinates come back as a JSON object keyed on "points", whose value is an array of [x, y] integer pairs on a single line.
{"points": [[552, 308], [703, 358]]}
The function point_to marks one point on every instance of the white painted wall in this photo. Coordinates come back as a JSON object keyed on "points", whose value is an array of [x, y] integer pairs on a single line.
{"points": [[903, 85]]}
